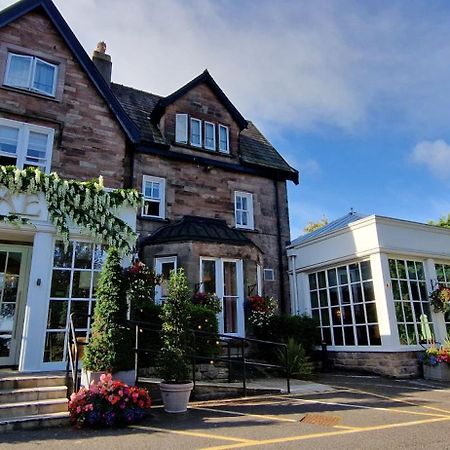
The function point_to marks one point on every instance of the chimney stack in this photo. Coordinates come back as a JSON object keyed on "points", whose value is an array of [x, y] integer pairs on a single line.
{"points": [[102, 61]]}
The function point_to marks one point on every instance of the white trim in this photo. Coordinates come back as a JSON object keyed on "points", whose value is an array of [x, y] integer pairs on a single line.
{"points": [[181, 128], [213, 147], [161, 199], [227, 149], [259, 280], [31, 75], [159, 261], [250, 225], [240, 322], [193, 119], [23, 140]]}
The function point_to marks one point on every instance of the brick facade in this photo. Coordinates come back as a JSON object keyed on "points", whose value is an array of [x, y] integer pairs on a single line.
{"points": [[88, 139]]}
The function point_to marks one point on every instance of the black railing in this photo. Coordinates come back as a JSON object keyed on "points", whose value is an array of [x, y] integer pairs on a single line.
{"points": [[231, 342]]}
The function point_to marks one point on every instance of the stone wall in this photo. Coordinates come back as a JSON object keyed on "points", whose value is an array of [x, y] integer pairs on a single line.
{"points": [[88, 139], [396, 364], [209, 192]]}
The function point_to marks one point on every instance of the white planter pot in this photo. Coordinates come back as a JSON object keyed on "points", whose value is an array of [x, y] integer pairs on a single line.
{"points": [[87, 377], [125, 376], [441, 372], [176, 396]]}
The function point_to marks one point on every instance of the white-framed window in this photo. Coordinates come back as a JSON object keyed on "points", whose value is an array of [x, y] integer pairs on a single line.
{"points": [[31, 73], [243, 210], [181, 128], [163, 266], [269, 275], [443, 277], [154, 192], [412, 305], [343, 305], [196, 132], [210, 136], [24, 145], [224, 135]]}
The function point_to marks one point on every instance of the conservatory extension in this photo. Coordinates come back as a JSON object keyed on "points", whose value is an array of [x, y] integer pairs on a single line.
{"points": [[367, 282]]}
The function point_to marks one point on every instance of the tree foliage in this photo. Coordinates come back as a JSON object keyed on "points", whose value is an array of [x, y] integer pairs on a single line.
{"points": [[313, 226], [109, 347], [173, 359], [442, 222]]}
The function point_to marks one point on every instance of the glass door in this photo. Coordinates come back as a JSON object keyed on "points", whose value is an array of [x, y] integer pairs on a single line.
{"points": [[13, 274], [224, 278], [163, 267]]}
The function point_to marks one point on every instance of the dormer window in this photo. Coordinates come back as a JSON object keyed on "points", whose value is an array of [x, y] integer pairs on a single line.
{"points": [[224, 146], [31, 73], [210, 136], [196, 132]]}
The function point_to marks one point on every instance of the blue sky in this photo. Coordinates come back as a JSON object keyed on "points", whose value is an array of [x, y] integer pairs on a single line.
{"points": [[354, 94]]}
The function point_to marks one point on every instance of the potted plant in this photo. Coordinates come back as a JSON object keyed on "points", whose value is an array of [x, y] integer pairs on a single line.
{"points": [[436, 362], [108, 349], [173, 359]]}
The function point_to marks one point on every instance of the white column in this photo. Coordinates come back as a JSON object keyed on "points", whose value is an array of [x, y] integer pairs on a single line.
{"points": [[36, 309], [440, 330], [293, 287], [385, 301], [303, 294]]}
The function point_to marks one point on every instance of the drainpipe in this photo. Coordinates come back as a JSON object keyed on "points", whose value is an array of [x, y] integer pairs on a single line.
{"points": [[280, 249], [294, 286]]}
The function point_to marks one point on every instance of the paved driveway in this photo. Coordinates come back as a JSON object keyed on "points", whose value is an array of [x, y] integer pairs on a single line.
{"points": [[358, 413]]}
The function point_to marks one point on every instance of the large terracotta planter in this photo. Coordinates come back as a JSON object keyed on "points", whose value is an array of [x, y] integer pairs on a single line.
{"points": [[440, 372], [175, 396]]}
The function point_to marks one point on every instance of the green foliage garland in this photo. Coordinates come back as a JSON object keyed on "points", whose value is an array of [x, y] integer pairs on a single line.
{"points": [[86, 204], [111, 341]]}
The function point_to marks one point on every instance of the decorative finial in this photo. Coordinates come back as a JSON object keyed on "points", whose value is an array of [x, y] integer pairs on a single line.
{"points": [[101, 47]]}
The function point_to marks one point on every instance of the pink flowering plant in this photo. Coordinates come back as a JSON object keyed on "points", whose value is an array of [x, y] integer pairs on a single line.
{"points": [[436, 355], [440, 299], [261, 310], [108, 403]]}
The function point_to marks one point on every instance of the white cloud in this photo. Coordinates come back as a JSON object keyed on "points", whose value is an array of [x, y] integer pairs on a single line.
{"points": [[435, 155], [284, 64]]}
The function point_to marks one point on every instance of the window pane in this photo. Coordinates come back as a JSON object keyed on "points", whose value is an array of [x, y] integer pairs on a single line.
{"points": [[209, 135], [223, 131], [371, 310], [411, 270], [332, 277], [392, 268], [57, 314], [334, 297], [314, 300], [440, 273], [401, 269], [321, 278], [338, 337], [374, 335], [347, 315], [209, 276], [83, 255], [325, 317], [62, 258], [9, 137], [345, 294], [230, 315], [323, 297], [359, 314], [195, 132], [54, 347], [80, 309], [312, 281], [342, 275], [44, 75], [361, 334], [229, 278], [366, 271], [369, 294], [37, 148], [60, 284], [357, 293], [349, 336], [151, 208], [354, 272], [19, 71], [81, 287]]}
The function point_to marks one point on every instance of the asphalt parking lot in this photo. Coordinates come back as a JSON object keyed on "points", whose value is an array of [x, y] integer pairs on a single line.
{"points": [[358, 412]]}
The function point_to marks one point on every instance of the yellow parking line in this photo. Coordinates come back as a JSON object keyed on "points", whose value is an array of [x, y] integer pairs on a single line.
{"points": [[399, 400], [326, 434], [194, 434], [234, 413]]}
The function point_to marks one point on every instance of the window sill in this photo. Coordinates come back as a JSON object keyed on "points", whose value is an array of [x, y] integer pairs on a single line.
{"points": [[202, 149], [152, 219], [247, 230], [32, 93]]}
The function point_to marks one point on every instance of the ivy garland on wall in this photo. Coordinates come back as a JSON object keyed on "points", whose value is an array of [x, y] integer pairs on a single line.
{"points": [[85, 204]]}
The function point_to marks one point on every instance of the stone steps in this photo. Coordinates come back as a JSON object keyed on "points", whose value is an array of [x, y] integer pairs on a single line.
{"points": [[32, 401]]}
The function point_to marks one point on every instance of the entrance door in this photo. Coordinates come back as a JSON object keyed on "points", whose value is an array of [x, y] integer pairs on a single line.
{"points": [[13, 281], [163, 266], [224, 277]]}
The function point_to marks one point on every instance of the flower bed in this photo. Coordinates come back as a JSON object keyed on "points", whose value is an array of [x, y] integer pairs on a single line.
{"points": [[108, 404], [261, 310], [436, 363]]}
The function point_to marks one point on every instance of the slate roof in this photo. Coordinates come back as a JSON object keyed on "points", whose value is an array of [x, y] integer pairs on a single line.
{"points": [[195, 228], [329, 228], [254, 149]]}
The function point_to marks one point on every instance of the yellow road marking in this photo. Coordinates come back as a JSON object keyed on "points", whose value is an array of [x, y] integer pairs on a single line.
{"points": [[234, 413], [379, 408], [325, 434], [194, 434], [399, 400], [344, 427]]}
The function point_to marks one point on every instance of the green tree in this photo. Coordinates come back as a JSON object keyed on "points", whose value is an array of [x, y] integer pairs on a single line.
{"points": [[109, 347], [173, 359], [313, 226], [442, 222]]}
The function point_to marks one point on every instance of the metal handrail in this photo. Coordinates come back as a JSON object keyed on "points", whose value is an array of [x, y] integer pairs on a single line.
{"points": [[73, 352]]}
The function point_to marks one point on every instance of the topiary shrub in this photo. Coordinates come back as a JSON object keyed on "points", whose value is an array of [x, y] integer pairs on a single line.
{"points": [[173, 359], [204, 319], [109, 348]]}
